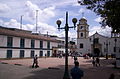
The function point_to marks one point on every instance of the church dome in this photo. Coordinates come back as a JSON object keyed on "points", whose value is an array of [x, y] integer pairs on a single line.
{"points": [[83, 20]]}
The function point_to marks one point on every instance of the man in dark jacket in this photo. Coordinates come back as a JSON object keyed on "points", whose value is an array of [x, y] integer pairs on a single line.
{"points": [[35, 62], [76, 72]]}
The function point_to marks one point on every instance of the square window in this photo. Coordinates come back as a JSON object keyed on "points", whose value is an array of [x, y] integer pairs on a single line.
{"points": [[81, 45]]}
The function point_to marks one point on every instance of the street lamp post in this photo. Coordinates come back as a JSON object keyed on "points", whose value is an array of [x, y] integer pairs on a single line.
{"points": [[74, 20], [107, 50], [115, 45], [93, 46]]}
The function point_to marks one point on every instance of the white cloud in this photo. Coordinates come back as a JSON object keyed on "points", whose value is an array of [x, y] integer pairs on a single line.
{"points": [[71, 34], [48, 12], [103, 31], [43, 14], [76, 3], [1, 22], [31, 5], [61, 19], [64, 2], [28, 27], [4, 8], [98, 19], [12, 23], [31, 9], [42, 27], [82, 10]]}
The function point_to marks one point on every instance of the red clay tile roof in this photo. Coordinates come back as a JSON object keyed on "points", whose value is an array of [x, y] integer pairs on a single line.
{"points": [[8, 32]]}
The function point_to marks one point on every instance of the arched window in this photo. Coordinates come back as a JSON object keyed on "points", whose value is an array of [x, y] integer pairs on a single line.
{"points": [[81, 27]]}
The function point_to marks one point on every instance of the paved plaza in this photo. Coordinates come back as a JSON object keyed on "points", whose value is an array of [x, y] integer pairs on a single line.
{"points": [[53, 68]]}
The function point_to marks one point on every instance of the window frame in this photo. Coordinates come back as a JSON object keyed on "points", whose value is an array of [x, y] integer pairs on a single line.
{"points": [[48, 44], [22, 43], [9, 53], [81, 45], [9, 41], [32, 43], [41, 44], [22, 53]]}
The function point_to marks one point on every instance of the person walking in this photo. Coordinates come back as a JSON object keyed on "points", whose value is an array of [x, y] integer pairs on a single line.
{"points": [[112, 76], [93, 62], [97, 61], [75, 59], [35, 62], [76, 72]]}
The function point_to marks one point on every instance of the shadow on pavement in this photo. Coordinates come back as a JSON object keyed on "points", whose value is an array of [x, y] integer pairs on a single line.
{"points": [[90, 72], [49, 73]]}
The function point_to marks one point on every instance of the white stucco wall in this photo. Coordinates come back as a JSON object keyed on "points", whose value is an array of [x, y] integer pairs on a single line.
{"points": [[27, 53], [37, 43], [28, 43], [15, 53], [16, 42], [86, 46], [53, 44], [112, 45], [3, 53], [3, 40], [103, 41], [27, 50], [37, 52], [44, 44]]}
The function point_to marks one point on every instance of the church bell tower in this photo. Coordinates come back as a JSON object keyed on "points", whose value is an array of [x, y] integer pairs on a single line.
{"points": [[83, 45], [82, 29]]}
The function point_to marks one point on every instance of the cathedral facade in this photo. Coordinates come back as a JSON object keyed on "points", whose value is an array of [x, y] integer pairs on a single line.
{"points": [[102, 44]]}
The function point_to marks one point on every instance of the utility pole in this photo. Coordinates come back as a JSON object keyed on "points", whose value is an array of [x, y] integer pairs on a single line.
{"points": [[21, 21], [36, 19]]}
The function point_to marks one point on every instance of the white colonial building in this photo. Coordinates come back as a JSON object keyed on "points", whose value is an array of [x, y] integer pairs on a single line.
{"points": [[16, 43], [86, 44]]}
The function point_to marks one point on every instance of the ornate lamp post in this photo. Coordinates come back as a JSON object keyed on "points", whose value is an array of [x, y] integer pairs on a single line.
{"points": [[115, 44], [106, 49], [66, 27], [93, 55]]}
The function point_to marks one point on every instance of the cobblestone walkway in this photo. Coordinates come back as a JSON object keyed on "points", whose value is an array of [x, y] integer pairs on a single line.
{"points": [[53, 68]]}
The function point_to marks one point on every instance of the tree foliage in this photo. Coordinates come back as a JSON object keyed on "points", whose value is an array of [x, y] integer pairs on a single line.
{"points": [[109, 10]]}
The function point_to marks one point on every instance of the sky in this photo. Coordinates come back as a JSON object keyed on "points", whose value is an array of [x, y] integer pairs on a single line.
{"points": [[49, 11]]}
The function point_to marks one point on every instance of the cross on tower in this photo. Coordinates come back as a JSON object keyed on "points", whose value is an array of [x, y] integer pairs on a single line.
{"points": [[82, 14]]}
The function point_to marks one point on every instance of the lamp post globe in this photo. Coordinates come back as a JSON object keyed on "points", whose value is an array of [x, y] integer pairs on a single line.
{"points": [[74, 20], [58, 22]]}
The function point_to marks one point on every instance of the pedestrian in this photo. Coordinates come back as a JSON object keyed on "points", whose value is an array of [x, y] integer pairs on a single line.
{"points": [[35, 62], [76, 72], [106, 56], [97, 61], [75, 58], [45, 56], [112, 76], [93, 62]]}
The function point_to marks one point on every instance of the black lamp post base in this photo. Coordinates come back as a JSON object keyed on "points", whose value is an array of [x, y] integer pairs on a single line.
{"points": [[66, 76]]}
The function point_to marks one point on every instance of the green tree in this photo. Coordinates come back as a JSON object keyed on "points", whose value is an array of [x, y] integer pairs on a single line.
{"points": [[109, 10]]}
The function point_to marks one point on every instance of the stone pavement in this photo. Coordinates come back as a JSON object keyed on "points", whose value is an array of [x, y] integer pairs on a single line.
{"points": [[53, 68]]}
